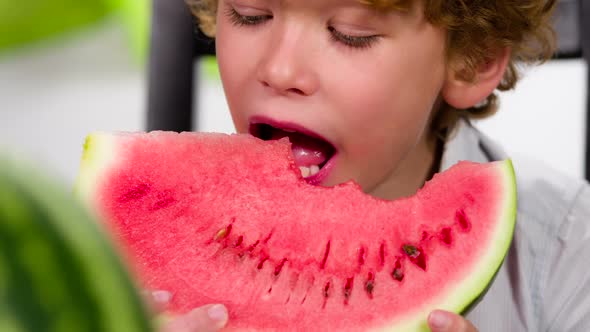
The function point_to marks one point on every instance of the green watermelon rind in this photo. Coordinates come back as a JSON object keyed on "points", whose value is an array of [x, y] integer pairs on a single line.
{"points": [[503, 235], [73, 272], [509, 214], [98, 156]]}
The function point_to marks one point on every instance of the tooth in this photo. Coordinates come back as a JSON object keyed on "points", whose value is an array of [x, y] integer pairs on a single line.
{"points": [[314, 169], [305, 171]]}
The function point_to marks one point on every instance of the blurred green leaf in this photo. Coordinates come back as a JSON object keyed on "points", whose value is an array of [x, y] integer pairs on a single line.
{"points": [[26, 22]]}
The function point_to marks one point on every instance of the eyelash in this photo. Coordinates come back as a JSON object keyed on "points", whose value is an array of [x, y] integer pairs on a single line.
{"points": [[242, 20], [356, 42]]}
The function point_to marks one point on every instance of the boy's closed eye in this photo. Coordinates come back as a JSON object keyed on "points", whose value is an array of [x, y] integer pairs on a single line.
{"points": [[246, 16], [242, 16]]}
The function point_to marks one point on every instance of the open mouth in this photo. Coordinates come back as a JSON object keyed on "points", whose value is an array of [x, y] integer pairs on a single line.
{"points": [[311, 152]]}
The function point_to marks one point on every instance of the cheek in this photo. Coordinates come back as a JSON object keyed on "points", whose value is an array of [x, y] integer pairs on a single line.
{"points": [[234, 71], [234, 52], [231, 67], [387, 108], [406, 93], [384, 101]]}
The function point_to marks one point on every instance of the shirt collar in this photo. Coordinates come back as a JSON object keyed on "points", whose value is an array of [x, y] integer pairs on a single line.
{"points": [[468, 143]]}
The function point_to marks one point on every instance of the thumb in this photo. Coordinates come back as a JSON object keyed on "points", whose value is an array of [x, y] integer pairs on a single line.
{"points": [[208, 318], [444, 321]]}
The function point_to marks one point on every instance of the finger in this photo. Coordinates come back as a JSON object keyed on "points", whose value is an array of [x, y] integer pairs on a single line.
{"points": [[209, 318], [157, 300], [444, 321]]}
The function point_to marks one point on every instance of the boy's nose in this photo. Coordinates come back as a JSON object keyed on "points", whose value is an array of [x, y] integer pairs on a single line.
{"points": [[287, 68]]}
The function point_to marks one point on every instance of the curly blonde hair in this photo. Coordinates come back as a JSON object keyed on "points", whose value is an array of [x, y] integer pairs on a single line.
{"points": [[476, 29]]}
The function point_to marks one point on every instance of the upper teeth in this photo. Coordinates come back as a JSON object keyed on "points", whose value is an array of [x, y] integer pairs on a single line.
{"points": [[307, 171]]}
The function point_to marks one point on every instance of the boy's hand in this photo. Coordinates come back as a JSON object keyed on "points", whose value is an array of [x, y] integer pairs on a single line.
{"points": [[444, 321], [213, 317], [208, 318]]}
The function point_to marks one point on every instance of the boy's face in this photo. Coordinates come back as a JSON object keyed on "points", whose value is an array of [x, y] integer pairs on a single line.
{"points": [[363, 81]]}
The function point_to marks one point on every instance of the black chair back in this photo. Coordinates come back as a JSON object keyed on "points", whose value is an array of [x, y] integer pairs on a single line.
{"points": [[175, 42]]}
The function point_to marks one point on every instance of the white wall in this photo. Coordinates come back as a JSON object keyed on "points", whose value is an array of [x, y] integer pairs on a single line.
{"points": [[544, 118], [51, 97]]}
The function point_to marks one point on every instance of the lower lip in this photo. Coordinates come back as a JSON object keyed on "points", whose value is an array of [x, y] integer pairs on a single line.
{"points": [[319, 177]]}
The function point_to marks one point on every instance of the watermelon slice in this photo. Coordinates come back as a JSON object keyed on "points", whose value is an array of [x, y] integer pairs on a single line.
{"points": [[225, 219]]}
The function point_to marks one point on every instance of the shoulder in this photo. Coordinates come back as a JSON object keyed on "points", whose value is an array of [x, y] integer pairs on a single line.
{"points": [[551, 204], [553, 228], [551, 199]]}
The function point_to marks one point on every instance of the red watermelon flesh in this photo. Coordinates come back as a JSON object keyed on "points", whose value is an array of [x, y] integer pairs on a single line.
{"points": [[225, 219]]}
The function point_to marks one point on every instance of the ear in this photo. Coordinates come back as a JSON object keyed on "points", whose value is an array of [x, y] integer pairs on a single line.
{"points": [[461, 93]]}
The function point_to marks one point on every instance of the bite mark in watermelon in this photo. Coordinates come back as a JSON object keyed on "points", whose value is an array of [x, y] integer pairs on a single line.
{"points": [[229, 219]]}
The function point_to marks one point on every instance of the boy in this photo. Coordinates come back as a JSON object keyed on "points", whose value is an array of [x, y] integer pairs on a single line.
{"points": [[381, 91]]}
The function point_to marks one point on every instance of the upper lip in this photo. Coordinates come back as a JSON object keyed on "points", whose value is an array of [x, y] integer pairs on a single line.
{"points": [[287, 126]]}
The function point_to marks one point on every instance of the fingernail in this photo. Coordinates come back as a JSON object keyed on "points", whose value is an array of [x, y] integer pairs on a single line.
{"points": [[439, 320], [161, 296], [218, 313]]}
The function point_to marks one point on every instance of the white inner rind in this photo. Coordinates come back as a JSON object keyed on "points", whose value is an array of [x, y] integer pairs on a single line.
{"points": [[99, 153], [483, 272]]}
